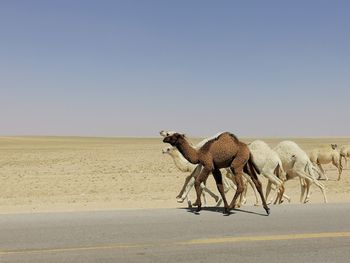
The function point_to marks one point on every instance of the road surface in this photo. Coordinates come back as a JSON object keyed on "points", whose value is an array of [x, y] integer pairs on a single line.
{"points": [[292, 233]]}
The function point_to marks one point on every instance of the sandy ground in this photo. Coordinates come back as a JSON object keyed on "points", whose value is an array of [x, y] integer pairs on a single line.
{"points": [[43, 174]]}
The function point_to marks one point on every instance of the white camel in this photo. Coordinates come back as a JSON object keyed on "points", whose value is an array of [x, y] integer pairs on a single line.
{"points": [[296, 163], [270, 166], [345, 153], [326, 155], [184, 166], [229, 184]]}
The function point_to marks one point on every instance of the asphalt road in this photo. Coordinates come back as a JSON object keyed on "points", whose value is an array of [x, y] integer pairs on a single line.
{"points": [[292, 233]]}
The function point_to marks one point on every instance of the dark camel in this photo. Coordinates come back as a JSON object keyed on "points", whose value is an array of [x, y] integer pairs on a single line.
{"points": [[221, 152]]}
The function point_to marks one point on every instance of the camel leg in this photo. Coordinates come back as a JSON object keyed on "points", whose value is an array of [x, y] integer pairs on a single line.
{"points": [[190, 183], [307, 196], [236, 167], [184, 187], [322, 171], [339, 167], [214, 196], [204, 188], [287, 197], [230, 180], [218, 180], [203, 194], [279, 190], [260, 191], [197, 184], [268, 189], [227, 184], [303, 176], [239, 190], [346, 161], [243, 197], [302, 188], [233, 184], [189, 186], [246, 176]]}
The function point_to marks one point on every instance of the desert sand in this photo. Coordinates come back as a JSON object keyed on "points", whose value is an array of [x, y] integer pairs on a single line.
{"points": [[46, 174]]}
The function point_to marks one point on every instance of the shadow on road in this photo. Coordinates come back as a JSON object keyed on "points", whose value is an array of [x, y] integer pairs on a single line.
{"points": [[219, 210]]}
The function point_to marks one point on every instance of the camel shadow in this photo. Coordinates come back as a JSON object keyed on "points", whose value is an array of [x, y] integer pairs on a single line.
{"points": [[216, 209]]}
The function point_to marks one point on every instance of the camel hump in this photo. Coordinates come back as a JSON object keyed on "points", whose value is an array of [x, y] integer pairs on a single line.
{"points": [[233, 136]]}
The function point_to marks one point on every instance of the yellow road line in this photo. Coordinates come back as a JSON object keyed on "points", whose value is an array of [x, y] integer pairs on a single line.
{"points": [[217, 240], [265, 238]]}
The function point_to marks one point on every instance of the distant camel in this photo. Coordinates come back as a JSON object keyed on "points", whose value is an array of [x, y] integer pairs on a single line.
{"points": [[326, 155], [221, 152], [345, 153], [296, 163]]}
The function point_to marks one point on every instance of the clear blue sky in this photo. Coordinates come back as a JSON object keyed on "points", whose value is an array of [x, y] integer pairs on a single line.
{"points": [[132, 68]]}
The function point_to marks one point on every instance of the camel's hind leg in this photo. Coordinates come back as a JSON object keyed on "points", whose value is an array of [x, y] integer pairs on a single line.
{"points": [[339, 167], [323, 172], [258, 186], [233, 184], [236, 167], [303, 177]]}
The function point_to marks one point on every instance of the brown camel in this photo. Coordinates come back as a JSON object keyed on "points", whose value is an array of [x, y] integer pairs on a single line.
{"points": [[221, 152]]}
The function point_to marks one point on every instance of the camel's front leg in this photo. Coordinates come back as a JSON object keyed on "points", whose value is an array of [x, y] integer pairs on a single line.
{"points": [[190, 183], [184, 187], [218, 180], [216, 198], [202, 177]]}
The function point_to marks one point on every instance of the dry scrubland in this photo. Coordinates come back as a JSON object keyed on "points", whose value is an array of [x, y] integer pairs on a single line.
{"points": [[71, 173]]}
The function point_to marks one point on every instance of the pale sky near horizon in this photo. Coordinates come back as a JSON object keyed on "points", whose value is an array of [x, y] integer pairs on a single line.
{"points": [[132, 68]]}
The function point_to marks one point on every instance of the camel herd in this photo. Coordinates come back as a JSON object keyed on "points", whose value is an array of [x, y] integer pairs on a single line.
{"points": [[240, 163]]}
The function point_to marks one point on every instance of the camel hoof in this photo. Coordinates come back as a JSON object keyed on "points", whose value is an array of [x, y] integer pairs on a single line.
{"points": [[180, 200], [267, 210], [189, 204], [196, 204], [226, 211], [256, 204], [198, 209], [231, 207]]}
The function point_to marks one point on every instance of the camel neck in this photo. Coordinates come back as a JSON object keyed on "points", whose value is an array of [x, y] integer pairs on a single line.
{"points": [[180, 162], [187, 151]]}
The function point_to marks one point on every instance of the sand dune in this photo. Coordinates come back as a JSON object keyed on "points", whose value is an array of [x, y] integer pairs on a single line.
{"points": [[71, 173]]}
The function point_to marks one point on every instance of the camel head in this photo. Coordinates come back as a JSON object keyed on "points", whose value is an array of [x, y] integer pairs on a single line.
{"points": [[173, 138], [166, 133], [168, 150], [334, 146]]}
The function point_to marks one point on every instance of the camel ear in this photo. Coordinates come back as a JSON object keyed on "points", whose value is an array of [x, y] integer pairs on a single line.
{"points": [[183, 134]]}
